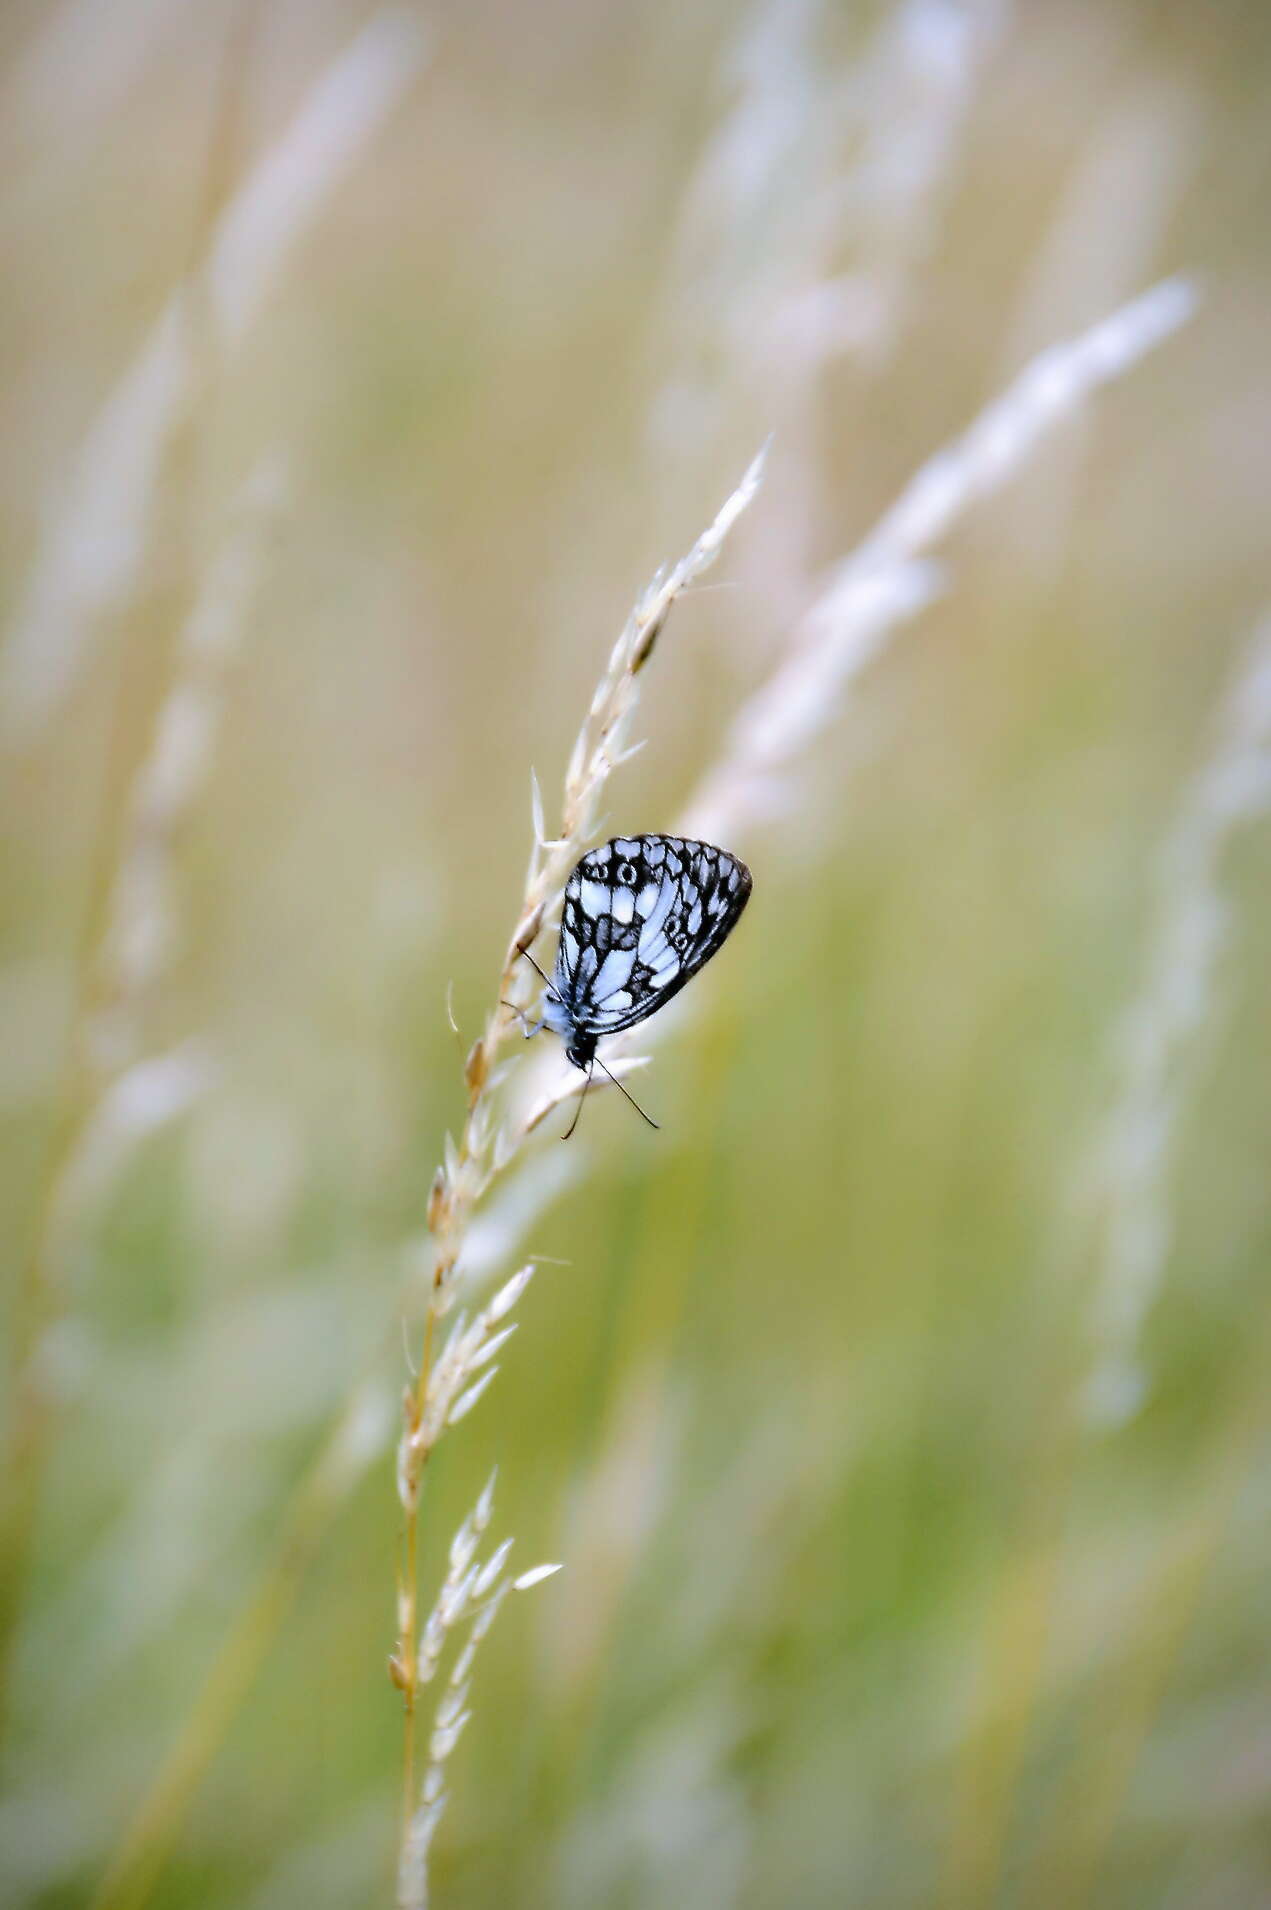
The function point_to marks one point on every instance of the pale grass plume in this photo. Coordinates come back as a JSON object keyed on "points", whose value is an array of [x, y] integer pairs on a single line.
{"points": [[117, 1093], [615, 1507], [863, 160], [669, 1821], [469, 1600], [142, 918], [451, 1380], [1117, 1234], [130, 1093], [1163, 1034], [95, 542], [1052, 387], [1114, 213], [887, 578], [672, 1822], [913, 92], [804, 231], [1109, 227], [129, 1107]]}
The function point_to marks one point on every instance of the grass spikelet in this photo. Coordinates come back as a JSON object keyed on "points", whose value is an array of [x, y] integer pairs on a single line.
{"points": [[444, 1391], [470, 1596]]}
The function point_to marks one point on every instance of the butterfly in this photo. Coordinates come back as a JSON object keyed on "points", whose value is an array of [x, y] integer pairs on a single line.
{"points": [[641, 915]]}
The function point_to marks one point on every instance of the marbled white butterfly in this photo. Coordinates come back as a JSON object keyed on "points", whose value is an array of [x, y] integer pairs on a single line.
{"points": [[642, 914]]}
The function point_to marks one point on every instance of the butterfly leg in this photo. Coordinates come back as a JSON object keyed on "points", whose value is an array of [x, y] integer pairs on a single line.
{"points": [[578, 1110], [530, 1032]]}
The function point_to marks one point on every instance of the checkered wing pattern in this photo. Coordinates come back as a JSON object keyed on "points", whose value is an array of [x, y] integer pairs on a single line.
{"points": [[642, 914]]}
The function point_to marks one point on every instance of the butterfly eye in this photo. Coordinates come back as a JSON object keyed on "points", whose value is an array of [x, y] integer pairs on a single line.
{"points": [[673, 928], [626, 873]]}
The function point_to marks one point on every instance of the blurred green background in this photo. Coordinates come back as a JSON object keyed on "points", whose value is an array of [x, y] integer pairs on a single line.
{"points": [[860, 1603]]}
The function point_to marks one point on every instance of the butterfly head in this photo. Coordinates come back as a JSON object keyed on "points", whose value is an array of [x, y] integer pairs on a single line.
{"points": [[581, 1049], [580, 1043]]}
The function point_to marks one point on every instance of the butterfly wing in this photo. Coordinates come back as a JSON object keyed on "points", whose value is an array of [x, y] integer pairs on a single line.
{"points": [[642, 914]]}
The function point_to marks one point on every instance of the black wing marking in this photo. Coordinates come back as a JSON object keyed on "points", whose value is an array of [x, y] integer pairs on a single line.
{"points": [[597, 919]]}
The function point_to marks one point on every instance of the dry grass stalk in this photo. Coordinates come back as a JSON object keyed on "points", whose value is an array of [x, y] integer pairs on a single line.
{"points": [[916, 91], [1161, 1035], [142, 913], [356, 1439], [863, 160], [448, 1385], [1123, 1207], [93, 549], [804, 229], [116, 1094]]}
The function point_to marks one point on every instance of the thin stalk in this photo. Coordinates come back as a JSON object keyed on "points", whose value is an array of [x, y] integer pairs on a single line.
{"points": [[491, 1137], [152, 652], [138, 1859]]}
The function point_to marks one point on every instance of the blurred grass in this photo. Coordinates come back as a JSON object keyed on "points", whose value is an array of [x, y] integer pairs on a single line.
{"points": [[853, 1612]]}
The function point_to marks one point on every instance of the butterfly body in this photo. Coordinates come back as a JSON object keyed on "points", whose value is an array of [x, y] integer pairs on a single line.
{"points": [[642, 914]]}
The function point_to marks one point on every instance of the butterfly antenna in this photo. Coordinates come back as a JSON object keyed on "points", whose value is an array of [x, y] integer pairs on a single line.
{"points": [[578, 1110], [635, 1104], [533, 964]]}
